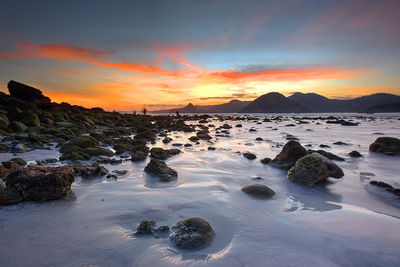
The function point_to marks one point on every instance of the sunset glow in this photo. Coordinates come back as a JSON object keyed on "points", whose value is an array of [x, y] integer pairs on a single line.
{"points": [[165, 64]]}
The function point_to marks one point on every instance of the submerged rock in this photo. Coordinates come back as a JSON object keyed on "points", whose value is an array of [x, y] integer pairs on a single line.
{"points": [[192, 233], [313, 168], [290, 153], [258, 191], [385, 145], [37, 183], [161, 170]]}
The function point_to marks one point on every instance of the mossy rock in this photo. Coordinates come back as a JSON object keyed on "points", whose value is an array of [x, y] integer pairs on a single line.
{"points": [[385, 145], [258, 191], [146, 135], [313, 168], [82, 141], [98, 151], [161, 170], [192, 233]]}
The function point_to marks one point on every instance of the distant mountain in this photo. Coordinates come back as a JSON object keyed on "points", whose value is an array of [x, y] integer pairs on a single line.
{"points": [[230, 107], [297, 103], [393, 107], [273, 102], [318, 103]]}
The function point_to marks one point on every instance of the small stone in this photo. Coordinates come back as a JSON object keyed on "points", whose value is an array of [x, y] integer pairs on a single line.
{"points": [[258, 191], [355, 154], [266, 160], [249, 155], [145, 227]]}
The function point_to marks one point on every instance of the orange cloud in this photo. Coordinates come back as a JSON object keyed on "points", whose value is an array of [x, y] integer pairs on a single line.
{"points": [[74, 53], [287, 74]]}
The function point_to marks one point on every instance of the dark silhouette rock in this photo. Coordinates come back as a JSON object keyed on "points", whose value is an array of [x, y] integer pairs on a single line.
{"points": [[26, 93]]}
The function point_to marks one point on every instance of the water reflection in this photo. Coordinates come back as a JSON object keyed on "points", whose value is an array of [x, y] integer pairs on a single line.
{"points": [[317, 198]]}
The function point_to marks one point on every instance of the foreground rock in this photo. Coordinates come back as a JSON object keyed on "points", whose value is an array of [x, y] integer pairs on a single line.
{"points": [[161, 170], [192, 233], [387, 145], [290, 153], [258, 191], [37, 183], [312, 169]]}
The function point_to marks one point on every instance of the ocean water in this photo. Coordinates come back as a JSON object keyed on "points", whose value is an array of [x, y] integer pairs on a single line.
{"points": [[343, 222]]}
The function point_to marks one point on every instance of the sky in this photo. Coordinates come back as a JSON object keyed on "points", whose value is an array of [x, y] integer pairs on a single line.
{"points": [[123, 55]]}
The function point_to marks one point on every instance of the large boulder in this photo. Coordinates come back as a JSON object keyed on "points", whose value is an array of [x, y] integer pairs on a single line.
{"points": [[258, 191], [26, 93], [37, 183], [161, 170], [313, 168], [163, 154], [192, 233], [388, 145], [290, 153]]}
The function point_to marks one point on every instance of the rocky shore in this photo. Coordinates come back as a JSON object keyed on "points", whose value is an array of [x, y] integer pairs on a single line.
{"points": [[88, 138]]}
